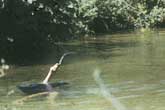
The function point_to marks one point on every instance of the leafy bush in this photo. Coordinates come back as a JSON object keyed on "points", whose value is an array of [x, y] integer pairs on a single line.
{"points": [[113, 15], [149, 14], [29, 29], [128, 14]]}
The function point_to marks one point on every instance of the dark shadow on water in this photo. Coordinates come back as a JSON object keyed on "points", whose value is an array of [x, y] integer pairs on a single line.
{"points": [[92, 48], [101, 50]]}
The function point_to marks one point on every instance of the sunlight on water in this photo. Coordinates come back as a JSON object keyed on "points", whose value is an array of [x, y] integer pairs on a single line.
{"points": [[106, 93]]}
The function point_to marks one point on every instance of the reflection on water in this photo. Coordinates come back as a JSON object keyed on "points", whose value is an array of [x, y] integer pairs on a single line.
{"points": [[132, 67]]}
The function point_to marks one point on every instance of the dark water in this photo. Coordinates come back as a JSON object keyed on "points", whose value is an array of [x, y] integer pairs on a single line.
{"points": [[132, 66]]}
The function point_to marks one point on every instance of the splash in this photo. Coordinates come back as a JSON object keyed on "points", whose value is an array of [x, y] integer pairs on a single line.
{"points": [[106, 93]]}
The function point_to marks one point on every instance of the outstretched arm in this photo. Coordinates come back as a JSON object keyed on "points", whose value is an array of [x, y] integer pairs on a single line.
{"points": [[52, 69]]}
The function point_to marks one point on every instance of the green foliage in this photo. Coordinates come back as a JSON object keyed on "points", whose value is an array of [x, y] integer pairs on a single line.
{"points": [[87, 12], [30, 28], [113, 15], [27, 28], [128, 14], [148, 14]]}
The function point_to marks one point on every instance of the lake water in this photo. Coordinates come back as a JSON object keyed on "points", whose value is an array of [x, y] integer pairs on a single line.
{"points": [[132, 66]]}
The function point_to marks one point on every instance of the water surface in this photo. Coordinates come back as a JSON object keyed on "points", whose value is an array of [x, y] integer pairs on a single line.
{"points": [[131, 65]]}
